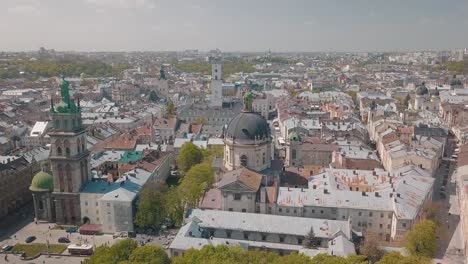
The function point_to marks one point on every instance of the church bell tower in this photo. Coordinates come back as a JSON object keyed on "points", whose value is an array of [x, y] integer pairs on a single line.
{"points": [[69, 157]]}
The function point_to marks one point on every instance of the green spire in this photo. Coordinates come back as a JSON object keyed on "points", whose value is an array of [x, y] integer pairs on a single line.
{"points": [[66, 105], [248, 101], [162, 74]]}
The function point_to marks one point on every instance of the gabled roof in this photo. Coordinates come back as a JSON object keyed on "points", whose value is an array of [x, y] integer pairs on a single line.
{"points": [[247, 178]]}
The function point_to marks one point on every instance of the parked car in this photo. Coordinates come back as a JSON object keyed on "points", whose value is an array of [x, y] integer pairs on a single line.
{"points": [[71, 230], [30, 239], [63, 240], [6, 248], [120, 234]]}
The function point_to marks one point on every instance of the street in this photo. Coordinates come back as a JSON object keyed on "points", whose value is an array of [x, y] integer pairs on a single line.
{"points": [[449, 236]]}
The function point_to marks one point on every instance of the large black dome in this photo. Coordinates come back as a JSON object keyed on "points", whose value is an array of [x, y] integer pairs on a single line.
{"points": [[248, 126], [422, 89]]}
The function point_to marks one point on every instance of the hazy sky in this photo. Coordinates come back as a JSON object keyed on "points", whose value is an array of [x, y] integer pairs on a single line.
{"points": [[234, 25]]}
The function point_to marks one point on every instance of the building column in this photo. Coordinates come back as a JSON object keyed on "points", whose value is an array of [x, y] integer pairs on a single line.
{"points": [[35, 206]]}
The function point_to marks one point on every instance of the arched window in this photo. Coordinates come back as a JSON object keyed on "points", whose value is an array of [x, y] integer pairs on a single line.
{"points": [[243, 160], [66, 144], [85, 166], [78, 145], [65, 124], [61, 176], [264, 157], [58, 144], [83, 144], [57, 124], [82, 173], [68, 172]]}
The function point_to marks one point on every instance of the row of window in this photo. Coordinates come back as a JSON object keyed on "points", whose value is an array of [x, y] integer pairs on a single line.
{"points": [[333, 211], [64, 124]]}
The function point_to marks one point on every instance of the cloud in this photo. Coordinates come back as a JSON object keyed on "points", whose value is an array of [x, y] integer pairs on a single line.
{"points": [[126, 4], [26, 10]]}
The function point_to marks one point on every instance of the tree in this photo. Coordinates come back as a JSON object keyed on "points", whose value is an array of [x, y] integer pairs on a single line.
{"points": [[371, 248], [420, 240], [197, 179], [431, 211], [152, 96], [311, 241], [119, 252], [175, 206], [395, 257], [357, 259], [328, 259], [122, 250], [102, 255], [149, 254], [151, 206], [170, 109], [293, 258], [189, 155]]}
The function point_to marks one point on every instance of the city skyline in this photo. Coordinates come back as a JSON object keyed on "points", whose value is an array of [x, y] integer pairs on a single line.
{"points": [[303, 26]]}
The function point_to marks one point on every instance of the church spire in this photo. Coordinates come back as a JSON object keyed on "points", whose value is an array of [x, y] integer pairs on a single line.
{"points": [[248, 101], [66, 105]]}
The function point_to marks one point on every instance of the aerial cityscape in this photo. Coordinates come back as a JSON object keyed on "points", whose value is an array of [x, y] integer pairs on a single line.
{"points": [[139, 131]]}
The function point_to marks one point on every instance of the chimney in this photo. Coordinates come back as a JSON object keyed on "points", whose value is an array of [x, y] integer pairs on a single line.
{"points": [[325, 191], [314, 187], [377, 194], [364, 194], [391, 195], [398, 195]]}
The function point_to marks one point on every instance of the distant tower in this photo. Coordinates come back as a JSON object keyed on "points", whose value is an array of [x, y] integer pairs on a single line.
{"points": [[216, 82], [163, 86], [69, 157], [293, 149]]}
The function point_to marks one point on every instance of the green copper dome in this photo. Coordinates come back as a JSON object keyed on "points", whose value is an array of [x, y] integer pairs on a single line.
{"points": [[42, 182], [294, 136]]}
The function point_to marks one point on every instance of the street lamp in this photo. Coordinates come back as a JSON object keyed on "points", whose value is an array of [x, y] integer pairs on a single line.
{"points": [[47, 244]]}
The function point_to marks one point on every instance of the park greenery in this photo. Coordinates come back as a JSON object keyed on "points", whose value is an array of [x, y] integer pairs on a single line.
{"points": [[33, 69], [189, 156], [158, 202], [421, 239], [456, 67], [34, 249], [204, 68], [128, 252]]}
